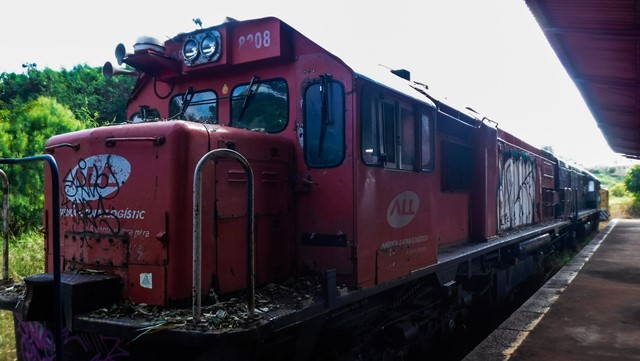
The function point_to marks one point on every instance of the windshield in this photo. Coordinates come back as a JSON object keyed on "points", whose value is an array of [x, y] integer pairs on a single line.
{"points": [[195, 106], [260, 105]]}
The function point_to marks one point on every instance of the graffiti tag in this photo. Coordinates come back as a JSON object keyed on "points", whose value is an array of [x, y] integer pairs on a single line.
{"points": [[37, 344], [516, 194], [87, 187]]}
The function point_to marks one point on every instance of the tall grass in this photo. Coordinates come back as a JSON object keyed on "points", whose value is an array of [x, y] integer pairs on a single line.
{"points": [[26, 257], [621, 207]]}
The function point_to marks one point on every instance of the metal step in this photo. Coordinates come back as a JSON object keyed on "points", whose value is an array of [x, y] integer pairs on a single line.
{"points": [[81, 293]]}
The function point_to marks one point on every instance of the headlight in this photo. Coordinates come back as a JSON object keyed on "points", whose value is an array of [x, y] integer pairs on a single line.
{"points": [[209, 46], [190, 49], [202, 48]]}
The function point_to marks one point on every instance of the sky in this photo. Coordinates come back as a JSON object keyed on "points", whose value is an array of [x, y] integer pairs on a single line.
{"points": [[489, 55]]}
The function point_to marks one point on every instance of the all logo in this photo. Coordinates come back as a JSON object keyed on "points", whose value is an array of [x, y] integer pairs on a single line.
{"points": [[402, 209], [96, 177]]}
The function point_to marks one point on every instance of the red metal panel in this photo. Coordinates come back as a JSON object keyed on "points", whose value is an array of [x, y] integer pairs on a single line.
{"points": [[450, 208], [231, 254], [116, 205], [270, 159], [483, 197], [395, 215], [258, 40], [147, 284], [324, 199], [95, 251], [404, 256]]}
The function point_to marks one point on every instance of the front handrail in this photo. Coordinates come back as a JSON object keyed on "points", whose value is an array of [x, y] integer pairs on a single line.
{"points": [[5, 226], [55, 204], [197, 230]]}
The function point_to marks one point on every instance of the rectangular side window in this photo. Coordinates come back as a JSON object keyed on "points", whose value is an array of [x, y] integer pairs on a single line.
{"points": [[407, 139], [324, 123], [457, 166], [387, 116], [370, 130], [426, 142]]}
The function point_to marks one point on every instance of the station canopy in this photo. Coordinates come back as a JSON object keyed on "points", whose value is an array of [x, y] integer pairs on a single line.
{"points": [[598, 43]]}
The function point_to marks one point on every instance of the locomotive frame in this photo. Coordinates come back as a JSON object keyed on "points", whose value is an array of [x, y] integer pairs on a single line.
{"points": [[370, 215]]}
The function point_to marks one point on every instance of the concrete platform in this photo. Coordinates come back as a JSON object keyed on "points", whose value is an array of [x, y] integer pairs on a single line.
{"points": [[587, 311]]}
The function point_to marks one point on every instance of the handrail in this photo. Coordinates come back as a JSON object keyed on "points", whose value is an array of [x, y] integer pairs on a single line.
{"points": [[55, 204], [5, 226], [197, 230]]}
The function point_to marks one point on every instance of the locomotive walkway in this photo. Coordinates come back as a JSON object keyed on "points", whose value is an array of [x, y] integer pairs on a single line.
{"points": [[590, 310]]}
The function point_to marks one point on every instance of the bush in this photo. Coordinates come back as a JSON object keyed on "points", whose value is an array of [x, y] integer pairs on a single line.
{"points": [[23, 133], [618, 190], [632, 181], [634, 209]]}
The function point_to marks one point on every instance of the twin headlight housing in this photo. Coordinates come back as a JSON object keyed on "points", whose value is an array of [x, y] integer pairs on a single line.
{"points": [[202, 48]]}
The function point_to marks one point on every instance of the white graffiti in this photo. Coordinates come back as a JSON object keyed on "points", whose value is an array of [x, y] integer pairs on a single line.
{"points": [[516, 194]]}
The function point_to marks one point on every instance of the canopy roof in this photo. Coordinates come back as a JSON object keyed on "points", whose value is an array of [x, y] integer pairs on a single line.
{"points": [[598, 43]]}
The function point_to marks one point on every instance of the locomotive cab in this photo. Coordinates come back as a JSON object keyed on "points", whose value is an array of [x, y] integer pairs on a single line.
{"points": [[128, 188]]}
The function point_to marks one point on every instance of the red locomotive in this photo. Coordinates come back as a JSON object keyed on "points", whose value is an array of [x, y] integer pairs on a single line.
{"points": [[266, 201]]}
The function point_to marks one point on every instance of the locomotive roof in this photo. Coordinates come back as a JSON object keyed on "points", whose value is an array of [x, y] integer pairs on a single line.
{"points": [[419, 92], [385, 78]]}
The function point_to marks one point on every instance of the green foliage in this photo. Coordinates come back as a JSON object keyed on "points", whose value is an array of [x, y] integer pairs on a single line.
{"points": [[618, 190], [620, 200], [610, 176], [26, 255], [632, 181], [39, 104], [633, 208], [24, 133], [82, 89]]}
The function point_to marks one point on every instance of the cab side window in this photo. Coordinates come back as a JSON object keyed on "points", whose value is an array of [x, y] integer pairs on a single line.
{"points": [[324, 123]]}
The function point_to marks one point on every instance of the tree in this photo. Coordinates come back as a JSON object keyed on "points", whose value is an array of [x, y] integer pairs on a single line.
{"points": [[82, 89], [23, 132], [632, 180], [632, 183], [40, 103], [91, 97]]}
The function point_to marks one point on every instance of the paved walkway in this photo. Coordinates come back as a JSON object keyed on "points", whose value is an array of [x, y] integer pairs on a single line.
{"points": [[587, 311]]}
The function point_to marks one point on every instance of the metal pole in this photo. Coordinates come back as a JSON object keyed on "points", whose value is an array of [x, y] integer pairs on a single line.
{"points": [[5, 226], [197, 230], [55, 220]]}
